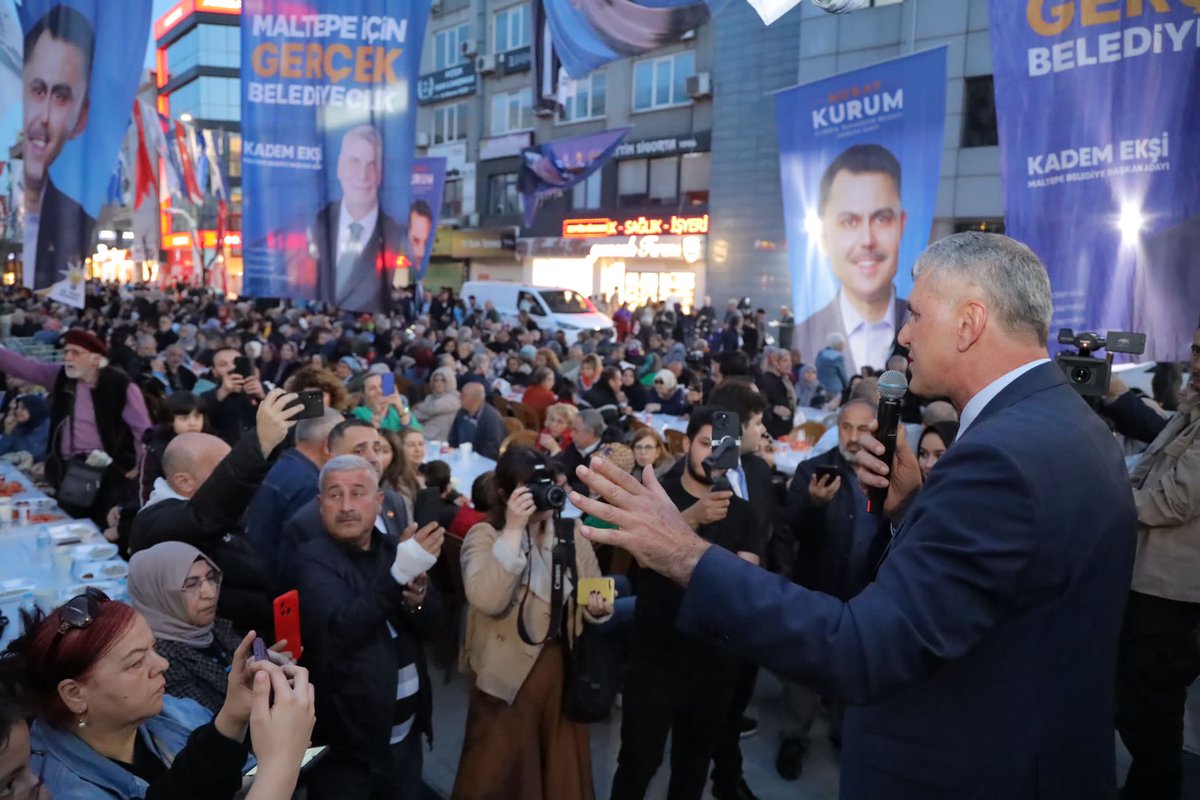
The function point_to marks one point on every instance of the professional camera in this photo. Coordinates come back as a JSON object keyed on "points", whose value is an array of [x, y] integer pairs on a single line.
{"points": [[1087, 373], [547, 495]]}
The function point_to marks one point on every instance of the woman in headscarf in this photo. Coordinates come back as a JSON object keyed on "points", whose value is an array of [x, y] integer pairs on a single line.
{"points": [[809, 391], [27, 428], [436, 412], [668, 397], [176, 587]]}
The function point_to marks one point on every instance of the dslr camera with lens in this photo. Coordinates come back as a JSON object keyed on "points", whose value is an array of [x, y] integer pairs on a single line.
{"points": [[547, 495]]}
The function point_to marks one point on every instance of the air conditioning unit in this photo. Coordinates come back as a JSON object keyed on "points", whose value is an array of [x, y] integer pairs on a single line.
{"points": [[699, 85], [485, 65], [435, 7], [422, 139], [471, 220], [469, 48], [545, 111]]}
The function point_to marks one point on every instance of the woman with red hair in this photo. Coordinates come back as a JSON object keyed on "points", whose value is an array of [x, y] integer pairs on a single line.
{"points": [[106, 727]]}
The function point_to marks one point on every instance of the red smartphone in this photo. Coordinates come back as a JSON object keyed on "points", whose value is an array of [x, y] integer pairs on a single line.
{"points": [[287, 622]]}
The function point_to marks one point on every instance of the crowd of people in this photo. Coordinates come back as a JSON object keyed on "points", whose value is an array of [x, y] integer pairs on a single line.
{"points": [[173, 421]]}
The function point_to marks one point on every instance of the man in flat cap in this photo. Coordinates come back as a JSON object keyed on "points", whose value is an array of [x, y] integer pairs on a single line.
{"points": [[92, 407]]}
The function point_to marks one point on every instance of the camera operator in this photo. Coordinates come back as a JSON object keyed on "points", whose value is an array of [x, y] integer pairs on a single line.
{"points": [[1158, 657], [519, 742], [676, 683]]}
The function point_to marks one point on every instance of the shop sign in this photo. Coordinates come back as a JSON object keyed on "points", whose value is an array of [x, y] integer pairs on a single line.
{"points": [[483, 243], [665, 146], [447, 83], [514, 61], [504, 146], [601, 227], [681, 248]]}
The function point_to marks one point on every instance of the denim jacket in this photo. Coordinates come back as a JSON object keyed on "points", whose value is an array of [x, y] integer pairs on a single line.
{"points": [[74, 771]]}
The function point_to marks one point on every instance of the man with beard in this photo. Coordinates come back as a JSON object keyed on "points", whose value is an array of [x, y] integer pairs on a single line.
{"points": [[678, 684], [862, 225]]}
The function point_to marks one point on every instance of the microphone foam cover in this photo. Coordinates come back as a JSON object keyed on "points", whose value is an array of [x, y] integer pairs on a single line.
{"points": [[893, 385]]}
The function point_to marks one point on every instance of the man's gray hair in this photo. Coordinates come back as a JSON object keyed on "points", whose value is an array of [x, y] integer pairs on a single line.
{"points": [[346, 463], [369, 134], [834, 340], [1011, 276], [593, 420], [316, 430], [855, 401]]}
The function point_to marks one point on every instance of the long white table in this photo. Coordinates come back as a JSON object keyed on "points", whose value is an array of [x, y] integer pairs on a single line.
{"points": [[464, 469]]}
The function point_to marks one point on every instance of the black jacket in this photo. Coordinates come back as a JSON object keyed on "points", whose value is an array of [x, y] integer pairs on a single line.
{"points": [[211, 522], [347, 600], [824, 536], [231, 417], [775, 393], [430, 506], [305, 525]]}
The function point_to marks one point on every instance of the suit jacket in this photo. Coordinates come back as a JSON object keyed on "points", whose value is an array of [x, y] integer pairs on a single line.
{"points": [[306, 525], [488, 433], [64, 236], [811, 333], [370, 288], [981, 661]]}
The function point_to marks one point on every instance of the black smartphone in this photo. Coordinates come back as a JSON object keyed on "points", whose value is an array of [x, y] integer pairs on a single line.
{"points": [[312, 402], [243, 367], [824, 471], [726, 440]]}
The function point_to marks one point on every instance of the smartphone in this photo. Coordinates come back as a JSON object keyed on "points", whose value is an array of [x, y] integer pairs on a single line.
{"points": [[310, 755], [243, 367], [259, 649], [726, 440], [388, 383], [312, 402], [287, 622], [607, 588], [824, 471]]}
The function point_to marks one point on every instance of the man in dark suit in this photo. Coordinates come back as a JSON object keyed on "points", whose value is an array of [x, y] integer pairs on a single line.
{"points": [[586, 430], [862, 223], [980, 662], [56, 76], [356, 243], [477, 423]]}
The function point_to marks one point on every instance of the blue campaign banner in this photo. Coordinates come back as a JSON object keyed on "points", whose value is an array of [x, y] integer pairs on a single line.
{"points": [[551, 168], [428, 183], [79, 76], [590, 33], [860, 155], [329, 108], [1097, 112]]}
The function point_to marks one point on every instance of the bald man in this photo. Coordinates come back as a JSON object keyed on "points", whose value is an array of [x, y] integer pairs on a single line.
{"points": [[205, 489], [477, 423]]}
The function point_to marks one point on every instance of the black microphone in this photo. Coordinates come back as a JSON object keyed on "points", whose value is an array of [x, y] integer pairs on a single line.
{"points": [[892, 388]]}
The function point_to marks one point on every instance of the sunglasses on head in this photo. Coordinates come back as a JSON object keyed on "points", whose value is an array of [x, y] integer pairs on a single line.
{"points": [[80, 611]]}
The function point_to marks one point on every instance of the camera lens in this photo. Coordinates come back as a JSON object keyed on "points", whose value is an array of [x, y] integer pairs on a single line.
{"points": [[1081, 375], [556, 497]]}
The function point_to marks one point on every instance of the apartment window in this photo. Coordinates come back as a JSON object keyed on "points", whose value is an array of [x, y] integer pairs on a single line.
{"points": [[693, 178], [512, 111], [586, 99], [979, 113], [511, 28], [184, 52], [233, 156], [586, 194], [449, 123], [220, 45], [447, 46], [208, 98], [662, 82], [452, 198], [502, 194], [878, 3], [631, 182]]}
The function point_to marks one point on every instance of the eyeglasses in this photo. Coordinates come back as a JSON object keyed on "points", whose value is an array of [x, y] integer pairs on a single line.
{"points": [[80, 611], [659, 382], [192, 585]]}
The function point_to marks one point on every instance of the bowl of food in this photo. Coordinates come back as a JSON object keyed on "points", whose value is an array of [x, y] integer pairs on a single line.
{"points": [[98, 551]]}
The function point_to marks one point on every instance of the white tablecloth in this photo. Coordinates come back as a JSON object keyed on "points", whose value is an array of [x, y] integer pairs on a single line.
{"points": [[464, 469], [664, 422]]}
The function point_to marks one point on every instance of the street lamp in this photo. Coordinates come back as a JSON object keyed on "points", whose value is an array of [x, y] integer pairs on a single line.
{"points": [[185, 117]]}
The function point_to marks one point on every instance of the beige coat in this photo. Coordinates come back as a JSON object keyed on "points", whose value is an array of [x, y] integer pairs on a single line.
{"points": [[1166, 488], [493, 649]]}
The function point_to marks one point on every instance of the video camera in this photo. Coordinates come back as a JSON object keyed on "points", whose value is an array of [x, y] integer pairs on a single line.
{"points": [[1088, 374]]}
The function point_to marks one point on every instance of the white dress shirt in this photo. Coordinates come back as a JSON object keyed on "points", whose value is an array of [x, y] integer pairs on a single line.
{"points": [[29, 234], [869, 342], [988, 393], [344, 221]]}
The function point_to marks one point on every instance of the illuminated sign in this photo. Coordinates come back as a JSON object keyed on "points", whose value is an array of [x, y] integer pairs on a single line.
{"points": [[640, 226], [682, 248], [185, 8], [182, 241]]}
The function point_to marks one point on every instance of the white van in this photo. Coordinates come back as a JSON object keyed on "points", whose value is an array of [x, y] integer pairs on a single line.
{"points": [[551, 308]]}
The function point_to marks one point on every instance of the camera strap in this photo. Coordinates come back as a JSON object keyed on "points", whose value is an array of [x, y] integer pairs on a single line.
{"points": [[562, 567]]}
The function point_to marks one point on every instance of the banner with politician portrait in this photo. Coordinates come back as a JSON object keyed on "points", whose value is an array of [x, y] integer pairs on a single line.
{"points": [[860, 156], [424, 211], [1098, 117], [328, 125], [81, 61]]}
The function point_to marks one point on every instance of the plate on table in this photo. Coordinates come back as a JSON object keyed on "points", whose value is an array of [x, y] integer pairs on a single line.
{"points": [[100, 551], [14, 589], [74, 533]]}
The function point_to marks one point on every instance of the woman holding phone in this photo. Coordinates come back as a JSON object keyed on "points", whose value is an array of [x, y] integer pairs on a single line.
{"points": [[519, 743], [383, 406]]}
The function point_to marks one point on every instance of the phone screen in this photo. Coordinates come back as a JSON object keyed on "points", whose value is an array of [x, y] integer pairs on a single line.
{"points": [[389, 384], [309, 755]]}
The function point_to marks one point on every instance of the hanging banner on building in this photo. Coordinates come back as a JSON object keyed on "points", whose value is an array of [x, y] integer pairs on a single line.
{"points": [[424, 211], [590, 33], [329, 101], [1098, 115], [79, 75], [554, 167], [860, 155]]}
